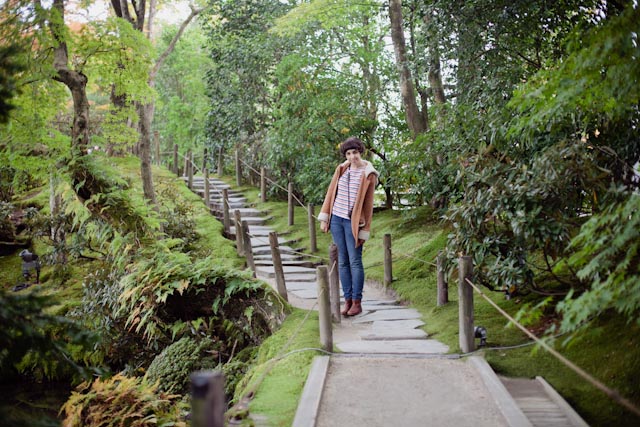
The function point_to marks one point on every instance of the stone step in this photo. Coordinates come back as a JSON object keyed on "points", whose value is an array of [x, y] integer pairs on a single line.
{"points": [[289, 270]]}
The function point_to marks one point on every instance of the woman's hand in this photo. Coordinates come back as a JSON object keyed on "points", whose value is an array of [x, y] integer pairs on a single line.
{"points": [[324, 226]]}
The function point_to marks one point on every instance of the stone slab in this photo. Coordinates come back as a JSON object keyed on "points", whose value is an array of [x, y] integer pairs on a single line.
{"points": [[304, 293], [392, 330], [297, 286], [427, 346], [401, 314]]}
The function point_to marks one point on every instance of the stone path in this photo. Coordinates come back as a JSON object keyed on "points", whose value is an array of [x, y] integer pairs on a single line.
{"points": [[387, 371]]}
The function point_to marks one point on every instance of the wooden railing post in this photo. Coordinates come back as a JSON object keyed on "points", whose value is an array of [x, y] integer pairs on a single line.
{"points": [[220, 162], [226, 221], [204, 160], [208, 402], [239, 238], [156, 139], [190, 169], [263, 185], [185, 170], [313, 243], [334, 283], [238, 169], [290, 202], [175, 159], [465, 304], [248, 248], [277, 265], [207, 190], [388, 269], [443, 286], [324, 309]]}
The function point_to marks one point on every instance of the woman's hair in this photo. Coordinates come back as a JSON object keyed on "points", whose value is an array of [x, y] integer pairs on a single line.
{"points": [[352, 143]]}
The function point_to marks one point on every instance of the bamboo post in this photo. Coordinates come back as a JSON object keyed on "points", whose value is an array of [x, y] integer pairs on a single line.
{"points": [[290, 202], [465, 304], [208, 403], [225, 210], [175, 159], [313, 243], [248, 249], [263, 186], [277, 265], [334, 283], [238, 169], [239, 237], [207, 190], [220, 162], [443, 286], [388, 272], [324, 309]]}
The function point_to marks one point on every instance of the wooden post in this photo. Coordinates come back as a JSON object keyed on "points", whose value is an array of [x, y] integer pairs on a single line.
{"points": [[238, 169], [175, 159], [225, 210], [443, 286], [324, 309], [388, 270], [239, 238], [208, 403], [248, 249], [185, 171], [204, 160], [207, 190], [190, 170], [465, 304], [156, 139], [290, 202], [220, 162], [277, 265], [313, 244], [334, 283], [263, 186]]}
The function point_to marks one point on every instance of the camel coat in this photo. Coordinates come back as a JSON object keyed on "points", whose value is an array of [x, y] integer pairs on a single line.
{"points": [[363, 207]]}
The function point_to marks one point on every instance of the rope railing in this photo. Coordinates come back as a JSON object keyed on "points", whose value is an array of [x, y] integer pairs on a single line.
{"points": [[613, 394]]}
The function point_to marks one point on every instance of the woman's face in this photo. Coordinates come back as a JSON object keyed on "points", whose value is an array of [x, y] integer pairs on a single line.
{"points": [[353, 156]]}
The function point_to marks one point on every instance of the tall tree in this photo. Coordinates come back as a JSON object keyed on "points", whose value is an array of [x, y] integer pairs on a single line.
{"points": [[146, 110]]}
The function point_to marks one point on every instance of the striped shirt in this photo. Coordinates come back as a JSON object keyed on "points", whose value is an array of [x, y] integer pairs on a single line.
{"points": [[348, 186]]}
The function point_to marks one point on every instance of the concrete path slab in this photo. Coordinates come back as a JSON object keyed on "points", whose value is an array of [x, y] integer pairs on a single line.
{"points": [[413, 346], [423, 392], [400, 314]]}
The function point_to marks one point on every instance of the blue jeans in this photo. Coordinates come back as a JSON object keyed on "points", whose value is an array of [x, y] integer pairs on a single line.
{"points": [[349, 258]]}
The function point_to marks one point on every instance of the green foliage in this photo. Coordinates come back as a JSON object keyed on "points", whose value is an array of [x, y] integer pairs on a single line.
{"points": [[171, 369], [182, 107], [121, 400], [608, 258], [38, 343]]}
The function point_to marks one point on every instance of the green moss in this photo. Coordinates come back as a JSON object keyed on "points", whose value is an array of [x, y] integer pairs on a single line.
{"points": [[171, 368], [281, 369]]}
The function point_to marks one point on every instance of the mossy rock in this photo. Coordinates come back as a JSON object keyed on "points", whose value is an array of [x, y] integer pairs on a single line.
{"points": [[172, 368]]}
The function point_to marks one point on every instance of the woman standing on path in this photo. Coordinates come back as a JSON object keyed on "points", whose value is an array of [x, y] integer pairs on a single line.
{"points": [[347, 212]]}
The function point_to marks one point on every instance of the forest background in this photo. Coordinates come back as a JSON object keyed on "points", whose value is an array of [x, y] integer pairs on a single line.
{"points": [[516, 122]]}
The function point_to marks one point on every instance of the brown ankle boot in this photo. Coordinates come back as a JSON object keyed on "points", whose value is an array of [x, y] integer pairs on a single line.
{"points": [[347, 306], [356, 308]]}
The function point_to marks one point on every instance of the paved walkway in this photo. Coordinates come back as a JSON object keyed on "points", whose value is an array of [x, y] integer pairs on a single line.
{"points": [[386, 371]]}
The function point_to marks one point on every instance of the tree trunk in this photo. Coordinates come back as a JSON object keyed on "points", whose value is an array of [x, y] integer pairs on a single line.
{"points": [[75, 81], [415, 119], [146, 116]]}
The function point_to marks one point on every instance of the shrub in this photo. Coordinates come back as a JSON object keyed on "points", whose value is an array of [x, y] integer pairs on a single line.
{"points": [[121, 401], [171, 368]]}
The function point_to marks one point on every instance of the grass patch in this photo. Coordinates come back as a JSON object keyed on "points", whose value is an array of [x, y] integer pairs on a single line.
{"points": [[281, 368]]}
